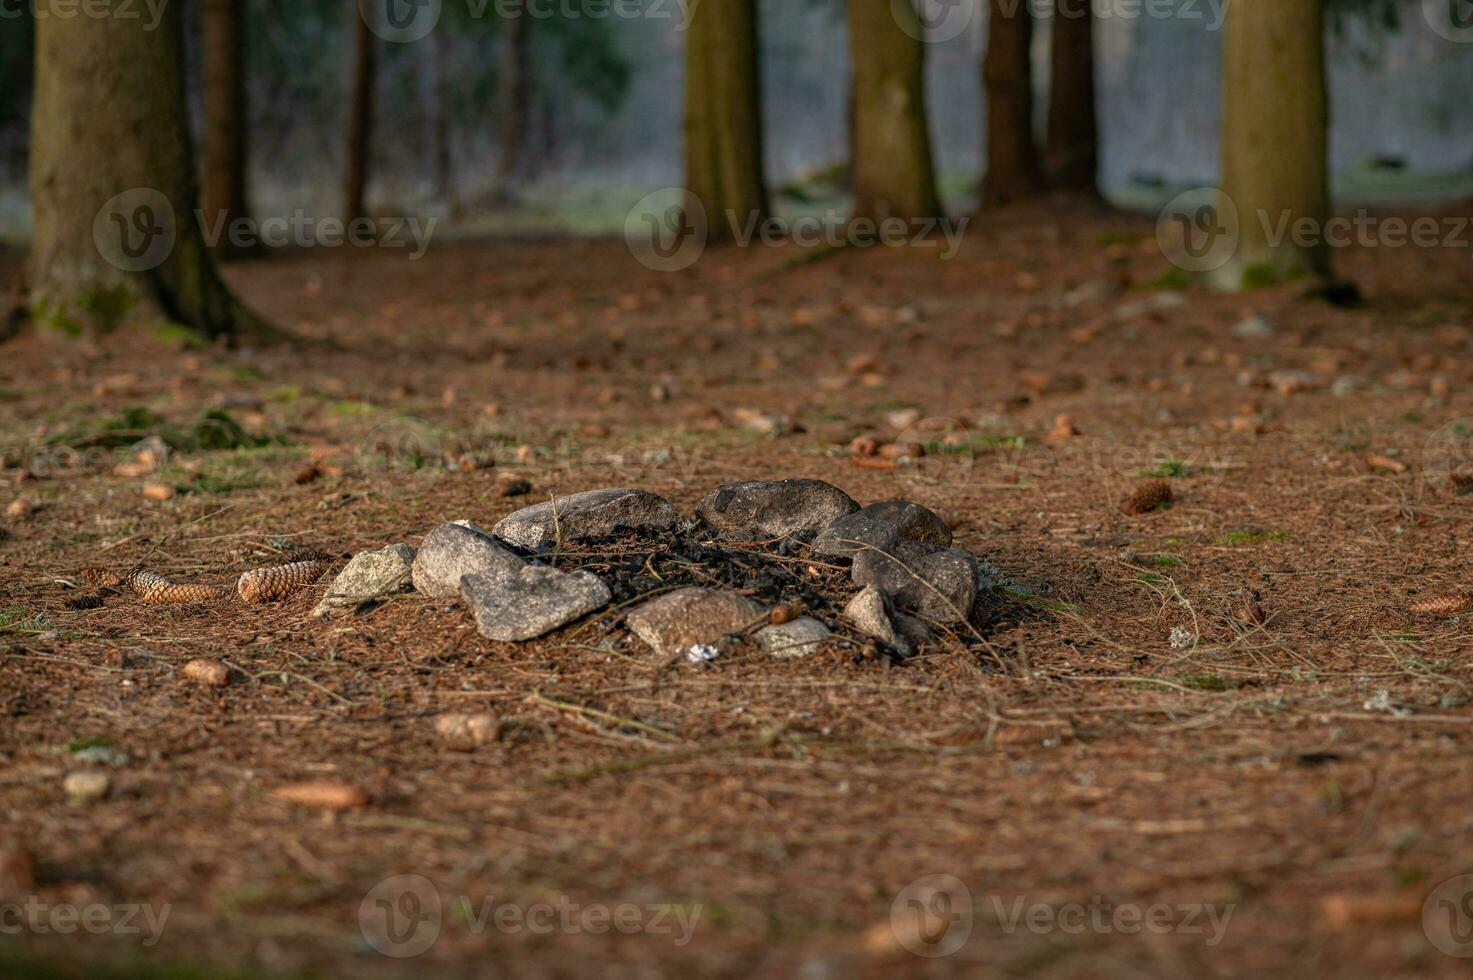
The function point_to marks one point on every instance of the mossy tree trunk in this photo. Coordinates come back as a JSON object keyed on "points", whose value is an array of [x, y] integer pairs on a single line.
{"points": [[892, 169], [360, 115], [513, 97], [1014, 171], [1071, 148], [1275, 123], [114, 191], [723, 115], [226, 119]]}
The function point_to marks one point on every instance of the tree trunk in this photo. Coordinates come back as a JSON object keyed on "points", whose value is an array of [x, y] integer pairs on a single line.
{"points": [[892, 169], [1275, 122], [723, 115], [226, 156], [514, 89], [1013, 170], [360, 116], [1071, 152], [113, 184], [441, 99]]}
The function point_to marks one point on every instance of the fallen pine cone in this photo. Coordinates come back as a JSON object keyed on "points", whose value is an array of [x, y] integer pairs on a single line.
{"points": [[782, 613], [326, 794], [156, 590], [1250, 611], [211, 673], [1149, 496], [279, 581], [1444, 605]]}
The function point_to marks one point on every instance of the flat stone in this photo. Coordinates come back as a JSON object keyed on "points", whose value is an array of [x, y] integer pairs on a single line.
{"points": [[516, 604], [451, 551], [882, 526], [86, 785], [594, 514], [775, 508], [679, 620], [870, 614], [369, 575], [940, 586], [799, 638]]}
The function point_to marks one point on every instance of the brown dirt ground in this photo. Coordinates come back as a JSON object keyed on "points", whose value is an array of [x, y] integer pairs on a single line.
{"points": [[1078, 755]]}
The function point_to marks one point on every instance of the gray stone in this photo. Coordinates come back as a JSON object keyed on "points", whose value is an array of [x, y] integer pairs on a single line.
{"points": [[594, 514], [775, 508], [870, 614], [369, 575], [939, 587], [451, 551], [799, 638], [678, 620], [1254, 328], [1155, 303], [882, 526], [516, 604]]}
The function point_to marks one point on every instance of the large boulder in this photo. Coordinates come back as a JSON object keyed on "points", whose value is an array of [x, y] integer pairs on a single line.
{"points": [[582, 516], [452, 551], [884, 526], [678, 620], [775, 508], [516, 604]]}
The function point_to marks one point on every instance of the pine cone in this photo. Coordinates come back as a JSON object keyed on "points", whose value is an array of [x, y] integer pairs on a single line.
{"points": [[278, 582], [1149, 496], [102, 578], [172, 594], [1444, 605], [143, 583]]}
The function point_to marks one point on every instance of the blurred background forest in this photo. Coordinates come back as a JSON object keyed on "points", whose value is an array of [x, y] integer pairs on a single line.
{"points": [[603, 104]]}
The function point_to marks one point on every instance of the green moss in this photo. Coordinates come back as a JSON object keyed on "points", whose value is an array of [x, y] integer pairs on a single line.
{"points": [[177, 333], [1172, 278], [1170, 468], [107, 307], [1260, 276]]}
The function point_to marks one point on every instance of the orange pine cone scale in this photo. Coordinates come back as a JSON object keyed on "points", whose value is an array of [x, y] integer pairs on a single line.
{"points": [[278, 582], [172, 594], [1444, 605], [1148, 497]]}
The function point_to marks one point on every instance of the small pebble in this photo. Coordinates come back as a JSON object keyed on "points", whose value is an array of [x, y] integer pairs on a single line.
{"points": [[86, 786], [158, 492], [467, 732], [211, 673]]}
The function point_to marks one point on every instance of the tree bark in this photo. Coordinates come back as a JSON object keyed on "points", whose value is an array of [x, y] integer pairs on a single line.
{"points": [[226, 153], [443, 116], [893, 174], [109, 117], [1275, 124], [513, 97], [723, 115], [1071, 150], [360, 116], [1013, 168]]}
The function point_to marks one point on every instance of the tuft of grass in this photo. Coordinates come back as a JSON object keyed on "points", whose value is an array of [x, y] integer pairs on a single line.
{"points": [[1251, 537], [90, 742], [1167, 561], [1209, 682], [1168, 469]]}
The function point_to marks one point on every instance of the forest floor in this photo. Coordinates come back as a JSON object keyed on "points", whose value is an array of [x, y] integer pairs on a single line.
{"points": [[1128, 746]]}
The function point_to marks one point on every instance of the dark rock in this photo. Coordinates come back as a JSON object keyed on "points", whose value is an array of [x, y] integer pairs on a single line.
{"points": [[882, 526], [584, 516], [516, 604], [678, 620], [940, 586], [870, 614], [451, 551], [775, 509]]}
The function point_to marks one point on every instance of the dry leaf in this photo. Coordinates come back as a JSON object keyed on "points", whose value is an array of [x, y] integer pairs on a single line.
{"points": [[158, 492], [326, 794]]}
